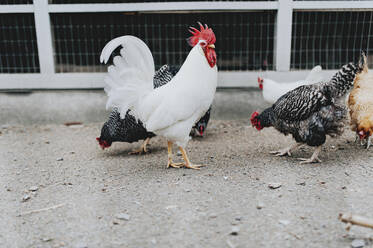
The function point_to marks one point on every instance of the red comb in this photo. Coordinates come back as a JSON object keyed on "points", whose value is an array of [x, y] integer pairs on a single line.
{"points": [[205, 33], [255, 114]]}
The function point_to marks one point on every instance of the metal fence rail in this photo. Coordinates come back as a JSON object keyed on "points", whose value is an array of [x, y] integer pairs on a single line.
{"points": [[56, 43], [244, 39]]}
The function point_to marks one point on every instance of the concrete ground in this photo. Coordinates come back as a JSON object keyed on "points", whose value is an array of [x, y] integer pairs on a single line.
{"points": [[58, 189]]}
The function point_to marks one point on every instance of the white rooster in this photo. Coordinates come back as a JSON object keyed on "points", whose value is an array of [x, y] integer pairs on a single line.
{"points": [[273, 90], [170, 110]]}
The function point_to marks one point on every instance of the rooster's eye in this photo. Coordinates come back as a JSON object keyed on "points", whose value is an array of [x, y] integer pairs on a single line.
{"points": [[203, 43]]}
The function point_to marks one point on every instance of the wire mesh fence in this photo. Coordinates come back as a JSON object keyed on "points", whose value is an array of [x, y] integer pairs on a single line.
{"points": [[245, 40], [2, 2], [18, 47], [140, 1], [329, 38]]}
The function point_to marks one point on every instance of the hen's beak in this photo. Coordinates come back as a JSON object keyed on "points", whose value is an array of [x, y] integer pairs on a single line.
{"points": [[211, 46]]}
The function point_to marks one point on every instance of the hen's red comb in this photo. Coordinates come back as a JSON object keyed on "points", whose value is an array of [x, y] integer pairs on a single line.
{"points": [[253, 116], [205, 33]]}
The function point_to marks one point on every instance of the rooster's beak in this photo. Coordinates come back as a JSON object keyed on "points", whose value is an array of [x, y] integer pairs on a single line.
{"points": [[211, 46]]}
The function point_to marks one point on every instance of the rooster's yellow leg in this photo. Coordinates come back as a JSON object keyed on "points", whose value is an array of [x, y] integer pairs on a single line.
{"points": [[143, 147], [170, 163], [188, 164]]}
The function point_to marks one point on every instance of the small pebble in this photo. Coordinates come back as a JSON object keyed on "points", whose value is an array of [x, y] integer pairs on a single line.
{"points": [[46, 239], [59, 159], [5, 126], [123, 216], [260, 205], [26, 198], [187, 190], [274, 185], [213, 216], [225, 178], [358, 243], [284, 222], [238, 218], [235, 230], [33, 188]]}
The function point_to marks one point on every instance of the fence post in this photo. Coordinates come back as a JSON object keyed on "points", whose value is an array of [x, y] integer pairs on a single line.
{"points": [[283, 35], [44, 36]]}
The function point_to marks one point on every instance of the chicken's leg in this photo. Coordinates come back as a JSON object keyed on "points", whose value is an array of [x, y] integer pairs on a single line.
{"points": [[170, 163], [368, 141], [142, 148], [188, 164], [287, 150], [314, 158]]}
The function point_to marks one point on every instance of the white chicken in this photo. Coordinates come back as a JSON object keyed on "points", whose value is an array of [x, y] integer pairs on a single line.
{"points": [[170, 110], [273, 90]]}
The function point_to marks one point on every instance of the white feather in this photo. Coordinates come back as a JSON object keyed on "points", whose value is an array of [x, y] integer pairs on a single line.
{"points": [[131, 74], [273, 90]]}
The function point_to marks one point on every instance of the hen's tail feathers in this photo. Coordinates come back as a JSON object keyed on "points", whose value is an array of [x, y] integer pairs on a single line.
{"points": [[315, 75], [131, 75], [363, 61], [343, 81]]}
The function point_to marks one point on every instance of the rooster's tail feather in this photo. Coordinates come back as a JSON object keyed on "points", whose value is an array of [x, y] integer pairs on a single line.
{"points": [[131, 75]]}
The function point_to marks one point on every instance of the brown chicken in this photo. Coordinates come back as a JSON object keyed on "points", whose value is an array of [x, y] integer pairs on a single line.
{"points": [[361, 106]]}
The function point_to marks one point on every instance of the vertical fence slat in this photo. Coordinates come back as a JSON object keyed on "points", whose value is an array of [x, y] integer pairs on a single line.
{"points": [[283, 35], [44, 36]]}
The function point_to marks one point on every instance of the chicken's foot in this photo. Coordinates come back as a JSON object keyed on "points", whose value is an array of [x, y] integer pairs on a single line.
{"points": [[188, 164], [286, 151], [170, 163], [314, 158], [143, 148]]}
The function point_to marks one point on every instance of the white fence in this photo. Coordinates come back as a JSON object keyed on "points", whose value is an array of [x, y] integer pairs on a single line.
{"points": [[284, 61]]}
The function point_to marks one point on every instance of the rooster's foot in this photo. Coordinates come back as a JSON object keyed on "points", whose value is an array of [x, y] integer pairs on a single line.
{"points": [[193, 166], [188, 164], [282, 152], [309, 160], [174, 165], [286, 151], [313, 159]]}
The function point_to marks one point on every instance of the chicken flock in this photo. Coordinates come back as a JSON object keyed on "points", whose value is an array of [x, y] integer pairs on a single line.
{"points": [[146, 102]]}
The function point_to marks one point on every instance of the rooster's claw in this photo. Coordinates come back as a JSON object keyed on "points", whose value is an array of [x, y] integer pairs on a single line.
{"points": [[284, 152], [309, 160]]}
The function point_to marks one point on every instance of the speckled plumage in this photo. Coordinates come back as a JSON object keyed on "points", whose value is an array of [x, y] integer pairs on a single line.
{"points": [[129, 129], [310, 112]]}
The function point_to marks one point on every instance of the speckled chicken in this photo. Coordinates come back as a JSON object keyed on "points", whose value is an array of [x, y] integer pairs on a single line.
{"points": [[310, 112], [129, 130]]}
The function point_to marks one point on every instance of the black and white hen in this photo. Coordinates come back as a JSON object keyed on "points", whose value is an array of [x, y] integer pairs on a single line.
{"points": [[130, 130], [310, 112]]}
